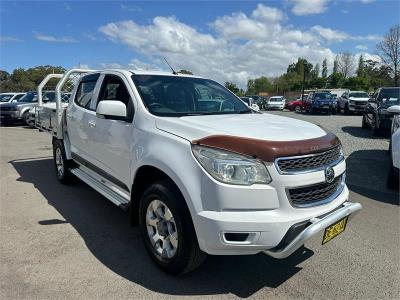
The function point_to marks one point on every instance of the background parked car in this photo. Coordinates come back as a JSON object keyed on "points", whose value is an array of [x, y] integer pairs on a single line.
{"points": [[394, 148], [353, 102], [276, 102], [18, 111], [10, 97], [320, 102], [376, 115], [296, 105], [250, 103]]}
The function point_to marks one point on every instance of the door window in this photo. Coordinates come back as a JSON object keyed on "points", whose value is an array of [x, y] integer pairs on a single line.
{"points": [[113, 88], [85, 90]]}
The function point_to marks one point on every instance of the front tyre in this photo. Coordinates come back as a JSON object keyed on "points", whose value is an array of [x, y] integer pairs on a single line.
{"points": [[167, 229], [25, 118], [61, 164]]}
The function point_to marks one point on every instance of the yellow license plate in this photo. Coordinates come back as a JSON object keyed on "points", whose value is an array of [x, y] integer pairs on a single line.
{"points": [[334, 230]]}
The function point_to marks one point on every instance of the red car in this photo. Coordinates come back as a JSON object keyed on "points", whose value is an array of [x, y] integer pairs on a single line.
{"points": [[296, 105]]}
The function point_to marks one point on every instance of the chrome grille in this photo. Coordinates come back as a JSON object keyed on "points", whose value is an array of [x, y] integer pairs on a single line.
{"points": [[308, 162], [320, 192]]}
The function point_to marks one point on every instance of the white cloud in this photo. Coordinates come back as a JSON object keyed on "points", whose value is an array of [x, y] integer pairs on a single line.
{"points": [[268, 14], [238, 47], [54, 39], [362, 47], [308, 7], [331, 35], [9, 39], [366, 1]]}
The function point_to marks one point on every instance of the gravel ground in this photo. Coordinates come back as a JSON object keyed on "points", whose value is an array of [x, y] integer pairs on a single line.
{"points": [[63, 242]]}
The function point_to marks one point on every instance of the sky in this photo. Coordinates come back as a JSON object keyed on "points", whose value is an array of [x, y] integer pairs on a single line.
{"points": [[222, 40]]}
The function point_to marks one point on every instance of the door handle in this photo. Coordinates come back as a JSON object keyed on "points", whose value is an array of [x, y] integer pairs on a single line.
{"points": [[92, 123]]}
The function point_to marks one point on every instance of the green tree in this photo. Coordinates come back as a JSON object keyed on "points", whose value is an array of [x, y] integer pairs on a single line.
{"points": [[335, 80], [324, 68], [262, 84], [360, 68], [300, 67], [232, 87], [250, 87], [335, 65], [183, 71], [21, 80]]}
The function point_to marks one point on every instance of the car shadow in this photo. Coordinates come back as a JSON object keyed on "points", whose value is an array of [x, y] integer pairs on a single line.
{"points": [[107, 234], [367, 173], [361, 133]]}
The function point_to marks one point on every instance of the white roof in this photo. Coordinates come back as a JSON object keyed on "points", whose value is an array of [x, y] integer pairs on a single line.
{"points": [[147, 72]]}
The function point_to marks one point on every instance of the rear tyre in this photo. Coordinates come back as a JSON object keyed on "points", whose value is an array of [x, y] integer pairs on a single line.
{"points": [[61, 164], [167, 229]]}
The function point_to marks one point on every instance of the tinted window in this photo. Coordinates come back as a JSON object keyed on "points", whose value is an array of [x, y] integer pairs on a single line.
{"points": [[179, 96], [29, 97], [113, 88], [389, 96], [85, 89], [322, 96], [359, 95], [19, 96], [5, 97]]}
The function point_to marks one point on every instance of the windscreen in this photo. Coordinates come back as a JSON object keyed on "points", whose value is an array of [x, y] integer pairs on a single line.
{"points": [[275, 99], [359, 95], [29, 97], [390, 97], [322, 96], [5, 97], [176, 96]]}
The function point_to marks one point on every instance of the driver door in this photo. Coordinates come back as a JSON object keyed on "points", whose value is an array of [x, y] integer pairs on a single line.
{"points": [[113, 139]]}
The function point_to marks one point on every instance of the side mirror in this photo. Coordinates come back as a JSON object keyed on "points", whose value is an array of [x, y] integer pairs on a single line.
{"points": [[111, 109], [395, 109]]}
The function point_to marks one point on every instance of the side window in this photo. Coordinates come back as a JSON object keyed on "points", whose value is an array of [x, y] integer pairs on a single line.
{"points": [[85, 89], [113, 88]]}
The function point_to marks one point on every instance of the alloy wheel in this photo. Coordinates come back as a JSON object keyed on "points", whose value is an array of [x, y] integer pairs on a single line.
{"points": [[59, 162], [161, 229]]}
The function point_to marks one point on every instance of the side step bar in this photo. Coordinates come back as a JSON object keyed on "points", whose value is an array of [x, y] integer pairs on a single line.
{"points": [[101, 188]]}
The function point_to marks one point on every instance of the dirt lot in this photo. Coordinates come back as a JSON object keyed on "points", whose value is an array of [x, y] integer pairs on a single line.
{"points": [[69, 242]]}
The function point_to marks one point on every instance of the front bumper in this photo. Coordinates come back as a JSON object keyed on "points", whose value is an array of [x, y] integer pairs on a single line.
{"points": [[9, 115], [316, 227], [275, 106], [357, 107]]}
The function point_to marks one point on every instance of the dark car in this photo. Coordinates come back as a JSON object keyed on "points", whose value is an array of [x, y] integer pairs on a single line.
{"points": [[376, 115], [320, 102]]}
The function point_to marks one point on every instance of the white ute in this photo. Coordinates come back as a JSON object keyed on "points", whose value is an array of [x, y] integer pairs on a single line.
{"points": [[197, 169]]}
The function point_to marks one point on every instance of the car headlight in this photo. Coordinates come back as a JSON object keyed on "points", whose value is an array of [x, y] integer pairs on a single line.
{"points": [[231, 168]]}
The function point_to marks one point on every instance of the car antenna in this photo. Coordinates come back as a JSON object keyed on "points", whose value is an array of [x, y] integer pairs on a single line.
{"points": [[173, 71]]}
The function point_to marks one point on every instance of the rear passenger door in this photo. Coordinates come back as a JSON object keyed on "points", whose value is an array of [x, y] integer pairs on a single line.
{"points": [[79, 114], [113, 138]]}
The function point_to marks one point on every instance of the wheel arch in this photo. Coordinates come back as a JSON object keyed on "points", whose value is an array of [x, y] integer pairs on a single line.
{"points": [[144, 177]]}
